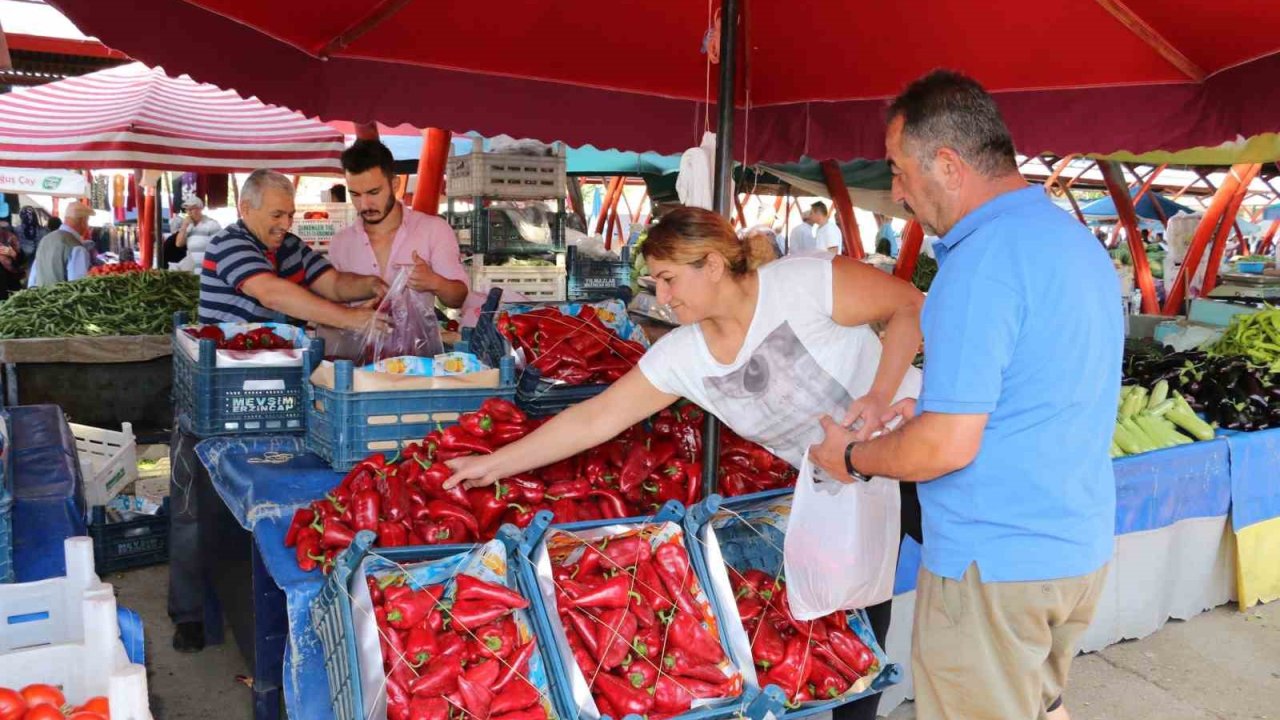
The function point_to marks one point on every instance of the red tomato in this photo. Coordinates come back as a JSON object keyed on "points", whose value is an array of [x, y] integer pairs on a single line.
{"points": [[12, 706], [40, 694], [44, 712], [96, 705]]}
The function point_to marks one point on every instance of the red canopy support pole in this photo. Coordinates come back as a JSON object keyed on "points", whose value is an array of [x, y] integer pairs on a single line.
{"points": [[648, 216], [1113, 176], [844, 209], [1209, 226], [576, 203], [1224, 229], [912, 239], [435, 153], [1265, 246], [609, 196], [742, 214], [146, 223], [613, 214], [367, 131]]}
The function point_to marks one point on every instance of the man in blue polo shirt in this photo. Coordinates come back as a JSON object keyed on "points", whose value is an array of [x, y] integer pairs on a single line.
{"points": [[1023, 341]]}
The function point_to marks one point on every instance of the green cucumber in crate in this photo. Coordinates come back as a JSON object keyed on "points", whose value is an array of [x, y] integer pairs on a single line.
{"points": [[743, 542], [426, 580]]}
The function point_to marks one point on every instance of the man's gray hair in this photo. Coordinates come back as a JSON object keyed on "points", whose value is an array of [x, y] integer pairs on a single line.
{"points": [[258, 181], [77, 211], [949, 109]]}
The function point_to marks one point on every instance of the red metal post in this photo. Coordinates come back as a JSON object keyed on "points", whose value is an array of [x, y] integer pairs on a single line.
{"points": [[435, 154], [608, 202], [844, 207], [1224, 229], [742, 215], [1113, 176], [1265, 246], [366, 131], [146, 222], [613, 214], [1239, 175], [912, 239]]}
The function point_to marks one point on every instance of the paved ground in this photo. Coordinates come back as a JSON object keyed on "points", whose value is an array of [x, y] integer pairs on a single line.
{"points": [[1222, 665]]}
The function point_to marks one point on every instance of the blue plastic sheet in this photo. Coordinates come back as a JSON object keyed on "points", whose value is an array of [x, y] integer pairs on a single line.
{"points": [[48, 491], [262, 477], [1158, 489], [1255, 493]]}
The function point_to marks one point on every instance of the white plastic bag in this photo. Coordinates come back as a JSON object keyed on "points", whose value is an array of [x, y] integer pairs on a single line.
{"points": [[841, 548]]}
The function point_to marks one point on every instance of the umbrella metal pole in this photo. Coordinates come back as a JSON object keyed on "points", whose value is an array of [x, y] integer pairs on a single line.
{"points": [[725, 103]]}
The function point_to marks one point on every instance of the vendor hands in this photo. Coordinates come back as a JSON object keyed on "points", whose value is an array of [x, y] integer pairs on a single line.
{"points": [[474, 471], [375, 290], [423, 278], [360, 318], [829, 455]]}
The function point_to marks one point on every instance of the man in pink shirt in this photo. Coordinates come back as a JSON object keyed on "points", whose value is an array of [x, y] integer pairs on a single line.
{"points": [[391, 236]]}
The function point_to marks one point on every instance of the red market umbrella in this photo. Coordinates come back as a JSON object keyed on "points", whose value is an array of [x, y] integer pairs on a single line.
{"points": [[138, 117], [1071, 75]]}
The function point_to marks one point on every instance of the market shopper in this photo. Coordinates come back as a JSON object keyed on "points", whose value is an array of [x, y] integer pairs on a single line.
{"points": [[826, 233], [1023, 342], [195, 232], [767, 349], [801, 239], [253, 271], [61, 255], [10, 261]]}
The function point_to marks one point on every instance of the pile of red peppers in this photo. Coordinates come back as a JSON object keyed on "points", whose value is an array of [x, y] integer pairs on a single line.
{"points": [[122, 268], [263, 338], [458, 658], [632, 617], [809, 660], [575, 349]]}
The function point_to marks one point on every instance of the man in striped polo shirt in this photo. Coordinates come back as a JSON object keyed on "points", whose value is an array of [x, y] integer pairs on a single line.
{"points": [[253, 271], [256, 270]]}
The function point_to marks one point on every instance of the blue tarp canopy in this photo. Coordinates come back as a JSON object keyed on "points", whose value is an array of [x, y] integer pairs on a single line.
{"points": [[1106, 207], [1271, 213], [585, 160]]}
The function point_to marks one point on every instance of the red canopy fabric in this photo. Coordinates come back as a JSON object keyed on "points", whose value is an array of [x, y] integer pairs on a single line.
{"points": [[136, 117], [1071, 75]]}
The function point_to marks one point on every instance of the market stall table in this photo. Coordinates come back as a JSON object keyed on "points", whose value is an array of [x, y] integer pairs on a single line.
{"points": [[1255, 514]]}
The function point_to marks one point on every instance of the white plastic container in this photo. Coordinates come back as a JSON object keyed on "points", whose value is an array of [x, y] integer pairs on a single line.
{"points": [[108, 461], [64, 632]]}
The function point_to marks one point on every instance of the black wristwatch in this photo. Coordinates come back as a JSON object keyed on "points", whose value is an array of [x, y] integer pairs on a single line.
{"points": [[848, 464]]}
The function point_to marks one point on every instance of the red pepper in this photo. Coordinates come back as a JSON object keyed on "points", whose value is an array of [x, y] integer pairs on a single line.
{"points": [[478, 424], [672, 563], [569, 490], [517, 666], [472, 588], [670, 696], [826, 683], [456, 437], [405, 610], [678, 662], [641, 673], [308, 551], [434, 532], [484, 673], [335, 535], [504, 411], [612, 505], [566, 511], [476, 699], [852, 651], [701, 689], [497, 640], [521, 515], [790, 674], [440, 678], [624, 698], [846, 673], [585, 627], [628, 551], [488, 505], [517, 696], [421, 645], [648, 644], [505, 434], [650, 587], [616, 632], [767, 646], [395, 504], [452, 646], [366, 507], [472, 616], [613, 593], [536, 712], [303, 517], [392, 534], [398, 699], [427, 708], [442, 509], [688, 633]]}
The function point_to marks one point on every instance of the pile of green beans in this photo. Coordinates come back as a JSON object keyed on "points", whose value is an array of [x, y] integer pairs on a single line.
{"points": [[131, 304]]}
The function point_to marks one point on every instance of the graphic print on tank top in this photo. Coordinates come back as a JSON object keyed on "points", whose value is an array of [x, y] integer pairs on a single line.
{"points": [[777, 397]]}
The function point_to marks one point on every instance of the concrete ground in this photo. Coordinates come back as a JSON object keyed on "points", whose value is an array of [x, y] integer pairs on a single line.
{"points": [[1222, 665]]}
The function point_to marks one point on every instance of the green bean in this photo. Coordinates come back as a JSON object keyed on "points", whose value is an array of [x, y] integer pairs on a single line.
{"points": [[132, 304]]}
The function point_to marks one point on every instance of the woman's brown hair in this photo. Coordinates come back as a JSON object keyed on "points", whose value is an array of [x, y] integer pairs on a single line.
{"points": [[687, 235]]}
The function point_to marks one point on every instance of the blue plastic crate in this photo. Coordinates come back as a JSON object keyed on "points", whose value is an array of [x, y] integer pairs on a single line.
{"points": [[744, 546], [6, 500], [535, 396], [591, 279], [751, 704], [492, 232], [137, 542], [332, 616], [235, 401], [344, 426], [1253, 268]]}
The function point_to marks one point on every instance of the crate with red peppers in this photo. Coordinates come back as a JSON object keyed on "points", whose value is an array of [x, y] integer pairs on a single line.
{"points": [[439, 633], [246, 344], [636, 630], [403, 500], [818, 664]]}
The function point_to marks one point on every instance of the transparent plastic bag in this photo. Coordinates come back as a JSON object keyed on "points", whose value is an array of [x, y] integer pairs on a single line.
{"points": [[841, 547], [414, 330]]}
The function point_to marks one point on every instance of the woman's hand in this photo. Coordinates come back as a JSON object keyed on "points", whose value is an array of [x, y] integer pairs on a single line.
{"points": [[867, 416], [474, 471]]}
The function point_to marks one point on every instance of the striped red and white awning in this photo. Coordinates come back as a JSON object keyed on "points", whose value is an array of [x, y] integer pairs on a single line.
{"points": [[137, 117]]}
